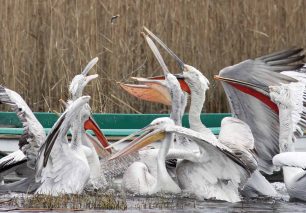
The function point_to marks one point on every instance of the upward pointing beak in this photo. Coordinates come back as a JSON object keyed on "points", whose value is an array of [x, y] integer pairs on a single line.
{"points": [[176, 58], [90, 78], [90, 124], [89, 66]]}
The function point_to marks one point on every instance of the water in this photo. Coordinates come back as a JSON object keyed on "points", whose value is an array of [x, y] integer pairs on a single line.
{"points": [[184, 203]]}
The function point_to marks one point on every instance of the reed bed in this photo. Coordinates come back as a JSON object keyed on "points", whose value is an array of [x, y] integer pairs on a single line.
{"points": [[44, 43], [67, 202]]}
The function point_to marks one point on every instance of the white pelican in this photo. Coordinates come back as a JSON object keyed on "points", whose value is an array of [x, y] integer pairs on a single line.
{"points": [[291, 113], [246, 86], [76, 88], [146, 169], [62, 166], [203, 173], [30, 141], [34, 135], [268, 97], [196, 84]]}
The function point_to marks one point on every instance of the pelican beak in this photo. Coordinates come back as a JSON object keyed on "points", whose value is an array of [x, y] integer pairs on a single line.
{"points": [[101, 151], [90, 124], [89, 66], [242, 84], [181, 79], [145, 92], [149, 136], [90, 78], [184, 86], [180, 63], [257, 91]]}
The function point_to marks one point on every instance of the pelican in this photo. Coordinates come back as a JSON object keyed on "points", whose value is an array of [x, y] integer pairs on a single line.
{"points": [[145, 170], [62, 166], [34, 136], [200, 173], [29, 143], [196, 84], [76, 88], [291, 112], [247, 87], [268, 94]]}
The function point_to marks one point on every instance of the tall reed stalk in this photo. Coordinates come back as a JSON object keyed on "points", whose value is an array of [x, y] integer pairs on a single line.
{"points": [[44, 43]]}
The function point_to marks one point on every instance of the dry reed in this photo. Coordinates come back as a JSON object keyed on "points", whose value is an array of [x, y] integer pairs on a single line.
{"points": [[44, 43]]}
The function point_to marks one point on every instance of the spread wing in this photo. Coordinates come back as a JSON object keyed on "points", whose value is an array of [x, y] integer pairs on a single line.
{"points": [[255, 108], [9, 162], [34, 133], [209, 147], [218, 172]]}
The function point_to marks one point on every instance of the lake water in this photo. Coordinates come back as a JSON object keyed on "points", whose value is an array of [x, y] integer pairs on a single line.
{"points": [[185, 204]]}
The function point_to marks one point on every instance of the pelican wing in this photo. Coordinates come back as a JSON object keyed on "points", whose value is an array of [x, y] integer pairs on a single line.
{"points": [[297, 99], [10, 161], [34, 133], [207, 144], [238, 136], [58, 132], [218, 173], [255, 108], [62, 174], [293, 159]]}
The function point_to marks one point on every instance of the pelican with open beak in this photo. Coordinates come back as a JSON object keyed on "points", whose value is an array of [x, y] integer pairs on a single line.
{"points": [[76, 89], [146, 183], [193, 82], [62, 166], [247, 87], [268, 93], [214, 172]]}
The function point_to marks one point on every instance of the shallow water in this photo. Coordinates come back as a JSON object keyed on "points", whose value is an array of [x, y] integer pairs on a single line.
{"points": [[185, 204]]}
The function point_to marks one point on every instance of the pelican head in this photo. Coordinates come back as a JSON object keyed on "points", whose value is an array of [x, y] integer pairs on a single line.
{"points": [[281, 95], [79, 82], [153, 93], [153, 132], [195, 80]]}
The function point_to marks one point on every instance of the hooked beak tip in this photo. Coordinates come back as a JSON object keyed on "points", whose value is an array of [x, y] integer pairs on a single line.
{"points": [[143, 34], [217, 77]]}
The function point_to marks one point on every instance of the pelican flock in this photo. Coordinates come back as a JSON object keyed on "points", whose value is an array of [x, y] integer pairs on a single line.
{"points": [[267, 99]]}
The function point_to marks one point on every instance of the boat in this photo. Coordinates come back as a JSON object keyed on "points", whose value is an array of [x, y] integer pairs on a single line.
{"points": [[114, 126]]}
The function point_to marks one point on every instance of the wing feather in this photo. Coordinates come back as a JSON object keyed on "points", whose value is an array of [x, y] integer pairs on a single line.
{"points": [[207, 143], [263, 71], [33, 130]]}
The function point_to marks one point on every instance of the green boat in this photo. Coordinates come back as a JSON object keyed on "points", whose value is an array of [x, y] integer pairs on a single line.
{"points": [[114, 126]]}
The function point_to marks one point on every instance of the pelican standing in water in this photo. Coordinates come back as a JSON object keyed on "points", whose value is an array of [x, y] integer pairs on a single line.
{"points": [[34, 136], [76, 88], [200, 173], [196, 84], [140, 176], [62, 166], [268, 93]]}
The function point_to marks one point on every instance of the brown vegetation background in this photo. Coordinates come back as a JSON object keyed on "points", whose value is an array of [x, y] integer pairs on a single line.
{"points": [[44, 43]]}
